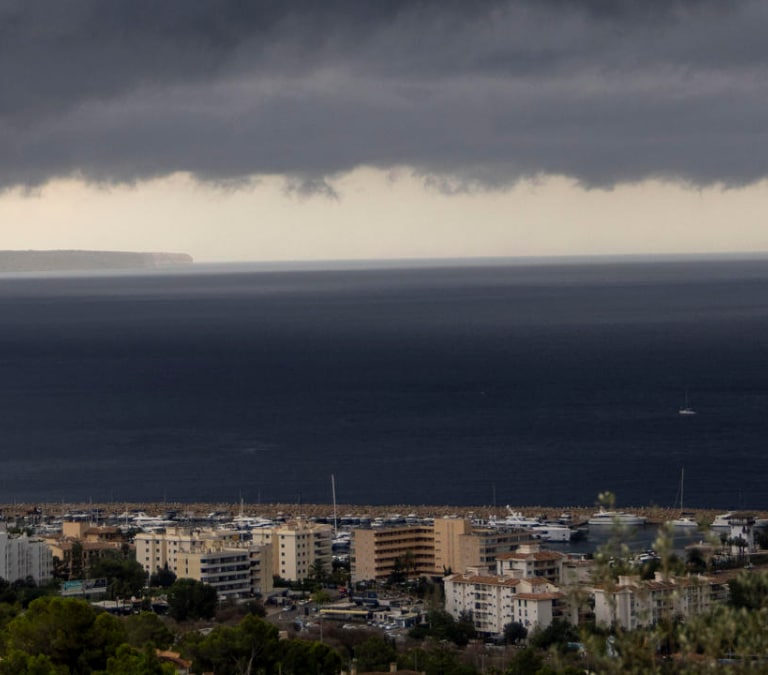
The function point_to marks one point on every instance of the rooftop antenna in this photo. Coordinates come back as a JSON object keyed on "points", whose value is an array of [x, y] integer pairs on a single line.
{"points": [[335, 521]]}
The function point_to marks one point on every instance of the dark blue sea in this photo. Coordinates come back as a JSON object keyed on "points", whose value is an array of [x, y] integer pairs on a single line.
{"points": [[528, 384]]}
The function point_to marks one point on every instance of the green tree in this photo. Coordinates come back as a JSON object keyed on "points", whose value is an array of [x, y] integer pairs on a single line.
{"points": [[438, 659], [252, 646], [340, 572], [514, 632], [557, 634], [191, 599], [75, 570], [163, 578], [442, 626], [20, 663], [67, 631], [376, 653], [321, 597], [526, 662], [299, 657], [749, 590], [130, 661], [318, 573], [147, 627], [125, 576], [397, 575], [24, 591]]}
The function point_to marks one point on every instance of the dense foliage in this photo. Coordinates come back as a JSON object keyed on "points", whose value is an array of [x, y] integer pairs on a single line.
{"points": [[253, 646], [125, 576], [442, 626], [190, 599]]}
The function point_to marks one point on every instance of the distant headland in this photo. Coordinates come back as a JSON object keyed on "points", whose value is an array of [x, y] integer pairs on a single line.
{"points": [[76, 261]]}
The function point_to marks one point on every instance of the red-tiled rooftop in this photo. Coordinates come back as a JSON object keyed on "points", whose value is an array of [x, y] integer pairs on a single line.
{"points": [[538, 556]]}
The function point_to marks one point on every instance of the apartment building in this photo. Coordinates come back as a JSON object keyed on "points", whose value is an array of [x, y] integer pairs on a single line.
{"points": [[23, 556], [495, 601], [447, 534], [448, 545], [483, 546], [236, 568], [633, 603], [80, 544], [298, 546], [529, 560], [459, 545], [377, 552]]}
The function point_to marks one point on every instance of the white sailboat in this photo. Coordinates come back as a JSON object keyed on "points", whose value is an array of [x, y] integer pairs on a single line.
{"points": [[683, 521], [686, 409]]}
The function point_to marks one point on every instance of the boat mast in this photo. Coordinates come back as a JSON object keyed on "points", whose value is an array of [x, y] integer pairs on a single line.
{"points": [[335, 521], [682, 483]]}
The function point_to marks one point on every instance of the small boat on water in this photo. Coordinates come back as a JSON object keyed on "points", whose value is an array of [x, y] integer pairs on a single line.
{"points": [[686, 409], [603, 517], [683, 522]]}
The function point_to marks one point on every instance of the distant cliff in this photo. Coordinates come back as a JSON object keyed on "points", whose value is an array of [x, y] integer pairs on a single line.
{"points": [[73, 261]]}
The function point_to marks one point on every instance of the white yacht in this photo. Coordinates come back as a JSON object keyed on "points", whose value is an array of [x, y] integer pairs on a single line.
{"points": [[723, 521], [242, 522], [552, 532], [604, 517], [514, 519], [683, 522]]}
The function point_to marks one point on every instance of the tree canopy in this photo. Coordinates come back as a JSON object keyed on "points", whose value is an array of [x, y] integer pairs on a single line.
{"points": [[191, 599], [68, 632]]}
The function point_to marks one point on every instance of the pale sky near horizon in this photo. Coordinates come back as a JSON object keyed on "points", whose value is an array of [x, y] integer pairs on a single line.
{"points": [[353, 130]]}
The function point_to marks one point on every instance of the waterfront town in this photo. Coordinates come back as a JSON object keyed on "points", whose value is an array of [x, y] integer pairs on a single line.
{"points": [[320, 573]]}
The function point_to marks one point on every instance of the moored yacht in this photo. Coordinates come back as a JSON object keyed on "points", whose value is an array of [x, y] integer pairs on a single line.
{"points": [[684, 521], [552, 532], [604, 517], [723, 521], [514, 519]]}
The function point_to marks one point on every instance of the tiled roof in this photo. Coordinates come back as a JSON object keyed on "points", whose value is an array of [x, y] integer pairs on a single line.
{"points": [[491, 581], [539, 556], [539, 596]]}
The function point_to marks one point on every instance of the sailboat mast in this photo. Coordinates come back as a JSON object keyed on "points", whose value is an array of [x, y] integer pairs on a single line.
{"points": [[335, 521], [682, 485]]}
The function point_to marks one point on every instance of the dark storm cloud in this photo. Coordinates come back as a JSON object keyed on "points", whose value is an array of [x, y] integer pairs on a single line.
{"points": [[466, 93]]}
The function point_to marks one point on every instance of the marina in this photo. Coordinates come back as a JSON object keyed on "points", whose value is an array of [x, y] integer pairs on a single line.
{"points": [[637, 529]]}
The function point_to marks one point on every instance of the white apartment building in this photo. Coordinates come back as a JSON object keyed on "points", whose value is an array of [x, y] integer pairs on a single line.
{"points": [[632, 603], [22, 557], [530, 561], [495, 601], [235, 568]]}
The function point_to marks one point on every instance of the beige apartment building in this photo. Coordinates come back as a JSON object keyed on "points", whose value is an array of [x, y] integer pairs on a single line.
{"points": [[529, 560], [459, 545], [378, 552], [448, 545], [80, 544], [234, 567], [297, 546]]}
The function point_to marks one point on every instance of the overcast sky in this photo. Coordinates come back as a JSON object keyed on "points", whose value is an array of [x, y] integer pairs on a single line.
{"points": [[350, 129]]}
